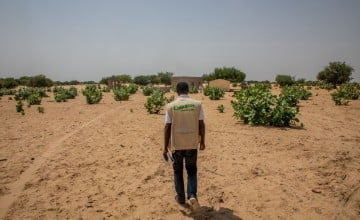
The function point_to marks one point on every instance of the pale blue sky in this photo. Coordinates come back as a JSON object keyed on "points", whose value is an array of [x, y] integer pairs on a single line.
{"points": [[88, 39]]}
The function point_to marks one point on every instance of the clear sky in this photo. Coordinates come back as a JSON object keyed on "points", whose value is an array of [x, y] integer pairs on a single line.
{"points": [[90, 39]]}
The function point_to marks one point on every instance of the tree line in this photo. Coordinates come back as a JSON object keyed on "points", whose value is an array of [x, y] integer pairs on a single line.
{"points": [[335, 73]]}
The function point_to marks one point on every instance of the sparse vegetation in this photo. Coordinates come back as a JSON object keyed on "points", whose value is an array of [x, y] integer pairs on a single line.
{"points": [[220, 108], [345, 93], [19, 107], [40, 109]]}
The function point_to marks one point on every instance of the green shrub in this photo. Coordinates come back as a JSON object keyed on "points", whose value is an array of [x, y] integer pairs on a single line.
{"points": [[92, 94], [253, 105], [34, 99], [5, 91], [121, 94], [25, 93], [148, 90], [292, 94], [282, 114], [207, 90], [193, 90], [344, 93], [327, 86], [71, 93], [132, 88], [257, 106], [40, 109], [221, 108], [155, 102], [216, 93], [19, 107], [284, 80], [62, 95]]}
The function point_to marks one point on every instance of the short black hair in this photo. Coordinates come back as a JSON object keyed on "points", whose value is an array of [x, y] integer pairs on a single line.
{"points": [[182, 87]]}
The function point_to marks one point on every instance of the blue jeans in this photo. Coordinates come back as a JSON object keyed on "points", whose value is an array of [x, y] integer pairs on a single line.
{"points": [[190, 157]]}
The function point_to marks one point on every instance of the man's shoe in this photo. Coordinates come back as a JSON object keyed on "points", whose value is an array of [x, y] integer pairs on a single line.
{"points": [[178, 201], [194, 204]]}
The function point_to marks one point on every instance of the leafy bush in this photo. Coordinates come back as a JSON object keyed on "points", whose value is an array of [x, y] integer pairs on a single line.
{"points": [[216, 93], [257, 106], [62, 95], [207, 90], [155, 102], [92, 94], [5, 91], [282, 114], [327, 86], [193, 90], [221, 108], [292, 94], [25, 93], [19, 107], [121, 94], [284, 80], [344, 93], [132, 88], [40, 109], [253, 105], [8, 83], [34, 99], [148, 90]]}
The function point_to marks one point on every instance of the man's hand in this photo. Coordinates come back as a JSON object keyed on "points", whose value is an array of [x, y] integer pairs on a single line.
{"points": [[165, 155], [202, 146]]}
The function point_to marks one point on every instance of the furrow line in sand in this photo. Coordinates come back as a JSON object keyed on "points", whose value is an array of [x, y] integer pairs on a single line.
{"points": [[17, 187]]}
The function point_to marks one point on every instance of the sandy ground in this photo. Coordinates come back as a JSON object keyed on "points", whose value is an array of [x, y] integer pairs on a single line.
{"points": [[79, 161]]}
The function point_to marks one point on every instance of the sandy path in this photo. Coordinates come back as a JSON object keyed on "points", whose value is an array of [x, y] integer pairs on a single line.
{"points": [[16, 188]]}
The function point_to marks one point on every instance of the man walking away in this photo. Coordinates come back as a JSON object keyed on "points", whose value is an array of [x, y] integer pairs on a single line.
{"points": [[184, 130]]}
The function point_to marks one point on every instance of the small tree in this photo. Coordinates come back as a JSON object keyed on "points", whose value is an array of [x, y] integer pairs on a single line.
{"points": [[165, 78], [40, 81], [336, 73], [284, 80], [232, 74]]}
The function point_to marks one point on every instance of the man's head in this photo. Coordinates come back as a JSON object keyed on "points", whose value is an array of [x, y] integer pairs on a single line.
{"points": [[182, 88]]}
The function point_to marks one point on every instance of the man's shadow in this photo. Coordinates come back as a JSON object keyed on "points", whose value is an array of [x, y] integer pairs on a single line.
{"points": [[206, 213]]}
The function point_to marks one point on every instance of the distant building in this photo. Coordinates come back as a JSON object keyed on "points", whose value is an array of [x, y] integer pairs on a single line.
{"points": [[220, 83], [190, 80]]}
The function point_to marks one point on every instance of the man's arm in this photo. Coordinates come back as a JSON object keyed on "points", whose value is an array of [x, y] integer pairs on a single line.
{"points": [[167, 135], [202, 134]]}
